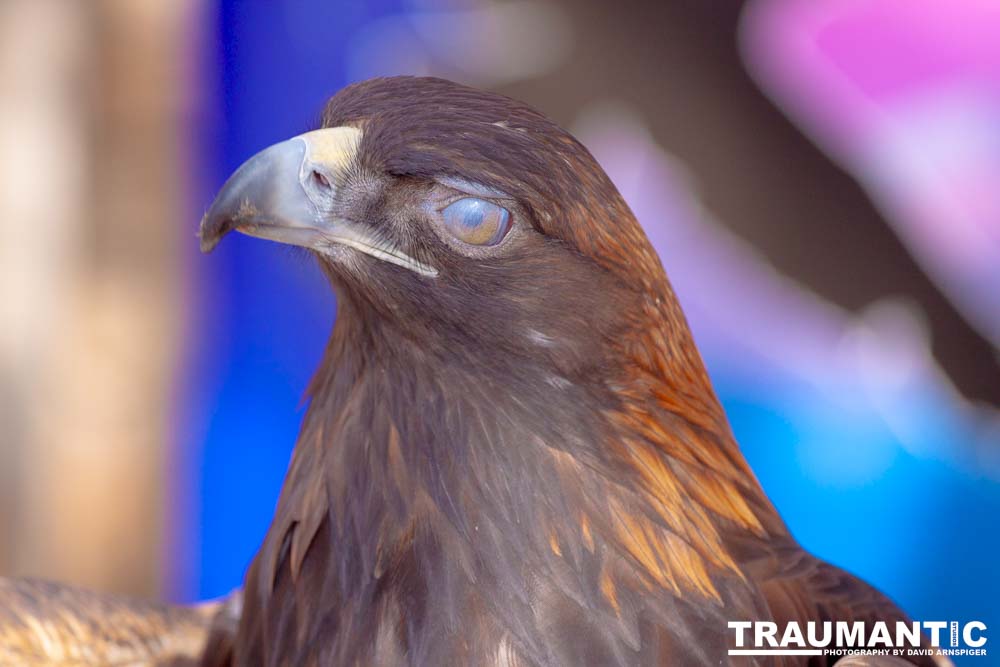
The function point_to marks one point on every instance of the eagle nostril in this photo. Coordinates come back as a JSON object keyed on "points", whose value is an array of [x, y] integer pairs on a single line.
{"points": [[320, 180]]}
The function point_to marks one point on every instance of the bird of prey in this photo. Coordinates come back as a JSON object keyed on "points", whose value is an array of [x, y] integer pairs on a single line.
{"points": [[512, 455]]}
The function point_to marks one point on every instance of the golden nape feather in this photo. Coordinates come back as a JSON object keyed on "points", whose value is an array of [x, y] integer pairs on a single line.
{"points": [[45, 624]]}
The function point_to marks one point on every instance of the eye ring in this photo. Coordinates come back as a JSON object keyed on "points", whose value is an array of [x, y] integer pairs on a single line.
{"points": [[476, 221]]}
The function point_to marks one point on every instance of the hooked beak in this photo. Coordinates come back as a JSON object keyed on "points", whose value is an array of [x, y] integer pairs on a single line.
{"points": [[288, 193]]}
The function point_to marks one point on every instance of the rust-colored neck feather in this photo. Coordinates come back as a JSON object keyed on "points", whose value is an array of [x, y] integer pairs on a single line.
{"points": [[430, 480]]}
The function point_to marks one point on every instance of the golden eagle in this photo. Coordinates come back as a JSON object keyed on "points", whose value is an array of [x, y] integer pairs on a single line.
{"points": [[512, 454]]}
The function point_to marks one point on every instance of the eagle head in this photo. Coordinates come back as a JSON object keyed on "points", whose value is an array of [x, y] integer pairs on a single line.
{"points": [[463, 218]]}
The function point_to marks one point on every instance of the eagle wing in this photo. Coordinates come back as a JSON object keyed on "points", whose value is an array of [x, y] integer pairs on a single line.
{"points": [[45, 624]]}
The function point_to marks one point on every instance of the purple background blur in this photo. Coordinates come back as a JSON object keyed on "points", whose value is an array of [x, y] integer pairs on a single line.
{"points": [[868, 451]]}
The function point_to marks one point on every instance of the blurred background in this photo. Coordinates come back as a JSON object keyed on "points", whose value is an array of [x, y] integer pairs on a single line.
{"points": [[820, 177]]}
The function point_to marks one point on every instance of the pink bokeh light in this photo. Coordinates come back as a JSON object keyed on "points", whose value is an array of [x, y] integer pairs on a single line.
{"points": [[904, 94]]}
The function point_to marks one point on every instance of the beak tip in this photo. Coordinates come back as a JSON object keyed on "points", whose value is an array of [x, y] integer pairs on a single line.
{"points": [[209, 234]]}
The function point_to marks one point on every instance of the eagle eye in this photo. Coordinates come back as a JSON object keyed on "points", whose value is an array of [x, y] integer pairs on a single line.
{"points": [[476, 221]]}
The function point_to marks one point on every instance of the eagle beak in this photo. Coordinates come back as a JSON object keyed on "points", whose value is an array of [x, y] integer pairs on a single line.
{"points": [[287, 192]]}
